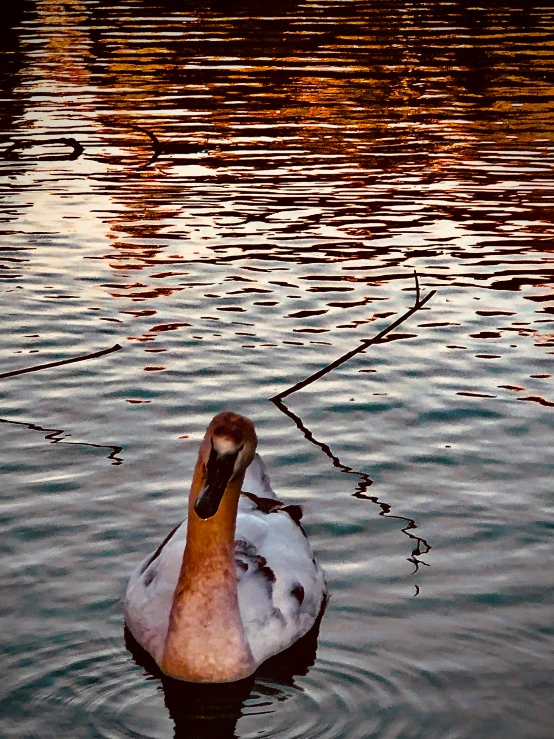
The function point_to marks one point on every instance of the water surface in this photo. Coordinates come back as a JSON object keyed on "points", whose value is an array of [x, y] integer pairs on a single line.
{"points": [[237, 195]]}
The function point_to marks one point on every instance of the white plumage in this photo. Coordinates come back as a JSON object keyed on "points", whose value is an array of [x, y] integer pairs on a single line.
{"points": [[280, 586]]}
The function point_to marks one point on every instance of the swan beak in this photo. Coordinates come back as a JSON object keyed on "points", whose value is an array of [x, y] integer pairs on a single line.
{"points": [[219, 470]]}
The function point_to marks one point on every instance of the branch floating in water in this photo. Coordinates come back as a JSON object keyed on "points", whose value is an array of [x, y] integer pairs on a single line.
{"points": [[159, 147], [419, 303], [421, 547], [37, 367], [12, 152]]}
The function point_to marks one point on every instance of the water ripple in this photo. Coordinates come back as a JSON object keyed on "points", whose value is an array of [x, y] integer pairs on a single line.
{"points": [[79, 677], [243, 194]]}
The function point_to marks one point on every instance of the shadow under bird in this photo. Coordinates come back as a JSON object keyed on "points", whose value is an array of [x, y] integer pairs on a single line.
{"points": [[237, 582]]}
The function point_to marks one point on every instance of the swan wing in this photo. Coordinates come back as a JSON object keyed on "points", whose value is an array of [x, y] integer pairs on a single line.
{"points": [[281, 588], [149, 594]]}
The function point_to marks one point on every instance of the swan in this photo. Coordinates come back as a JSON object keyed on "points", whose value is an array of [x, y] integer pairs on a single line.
{"points": [[234, 584]]}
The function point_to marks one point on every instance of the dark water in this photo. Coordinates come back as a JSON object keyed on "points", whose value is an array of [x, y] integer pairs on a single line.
{"points": [[238, 193]]}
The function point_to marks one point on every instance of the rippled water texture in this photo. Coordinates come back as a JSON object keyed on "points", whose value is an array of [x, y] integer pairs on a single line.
{"points": [[237, 194]]}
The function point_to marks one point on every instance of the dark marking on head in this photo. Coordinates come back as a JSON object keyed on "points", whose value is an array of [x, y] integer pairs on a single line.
{"points": [[229, 431], [231, 426]]}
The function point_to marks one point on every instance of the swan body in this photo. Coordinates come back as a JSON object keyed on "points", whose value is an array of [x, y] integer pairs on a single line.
{"points": [[236, 582]]}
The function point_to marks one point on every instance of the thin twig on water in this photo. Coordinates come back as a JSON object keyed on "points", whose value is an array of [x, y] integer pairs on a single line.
{"points": [[416, 287], [12, 151], [56, 436], [38, 367], [420, 302], [168, 147], [421, 547]]}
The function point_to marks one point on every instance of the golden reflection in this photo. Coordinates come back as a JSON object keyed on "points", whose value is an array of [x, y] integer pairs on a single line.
{"points": [[366, 94], [65, 52]]}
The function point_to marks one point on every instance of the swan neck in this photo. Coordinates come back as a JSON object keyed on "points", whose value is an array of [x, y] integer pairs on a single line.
{"points": [[206, 641]]}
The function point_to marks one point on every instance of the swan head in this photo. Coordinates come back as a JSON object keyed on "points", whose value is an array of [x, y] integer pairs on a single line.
{"points": [[226, 451]]}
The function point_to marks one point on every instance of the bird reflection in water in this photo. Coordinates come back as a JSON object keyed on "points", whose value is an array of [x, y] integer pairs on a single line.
{"points": [[212, 710]]}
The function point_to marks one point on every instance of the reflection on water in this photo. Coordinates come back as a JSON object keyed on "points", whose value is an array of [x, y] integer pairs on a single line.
{"points": [[204, 710], [238, 195]]}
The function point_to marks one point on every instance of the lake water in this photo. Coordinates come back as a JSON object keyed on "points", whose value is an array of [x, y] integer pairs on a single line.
{"points": [[238, 194]]}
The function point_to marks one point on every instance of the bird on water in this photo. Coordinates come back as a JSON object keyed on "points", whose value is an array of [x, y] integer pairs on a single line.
{"points": [[237, 581]]}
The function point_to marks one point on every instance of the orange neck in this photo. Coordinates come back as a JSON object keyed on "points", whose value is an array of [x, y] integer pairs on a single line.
{"points": [[205, 640]]}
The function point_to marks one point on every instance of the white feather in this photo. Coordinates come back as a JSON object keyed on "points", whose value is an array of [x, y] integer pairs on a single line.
{"points": [[281, 588], [256, 479]]}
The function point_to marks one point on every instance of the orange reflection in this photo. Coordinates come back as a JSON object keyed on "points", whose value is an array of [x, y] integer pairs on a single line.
{"points": [[368, 93]]}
